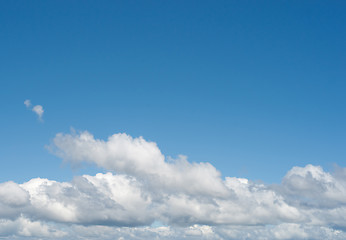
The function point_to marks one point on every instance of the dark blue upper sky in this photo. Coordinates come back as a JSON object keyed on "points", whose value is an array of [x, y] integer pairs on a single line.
{"points": [[253, 87]]}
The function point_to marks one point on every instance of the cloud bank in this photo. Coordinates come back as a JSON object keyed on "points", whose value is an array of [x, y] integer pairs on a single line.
{"points": [[38, 109], [146, 196]]}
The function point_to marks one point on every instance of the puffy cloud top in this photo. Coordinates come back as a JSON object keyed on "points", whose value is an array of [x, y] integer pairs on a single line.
{"points": [[141, 159], [187, 200]]}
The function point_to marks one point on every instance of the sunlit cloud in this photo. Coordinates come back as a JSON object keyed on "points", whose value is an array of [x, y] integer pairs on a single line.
{"points": [[189, 200]]}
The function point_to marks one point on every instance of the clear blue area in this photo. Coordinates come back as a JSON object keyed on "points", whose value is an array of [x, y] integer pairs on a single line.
{"points": [[253, 87]]}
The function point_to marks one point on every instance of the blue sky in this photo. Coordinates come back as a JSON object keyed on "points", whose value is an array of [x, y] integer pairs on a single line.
{"points": [[254, 88]]}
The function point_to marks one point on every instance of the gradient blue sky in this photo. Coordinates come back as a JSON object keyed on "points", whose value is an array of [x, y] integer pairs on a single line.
{"points": [[253, 87]]}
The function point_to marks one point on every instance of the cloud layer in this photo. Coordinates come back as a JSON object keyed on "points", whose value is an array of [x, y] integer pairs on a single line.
{"points": [[146, 196]]}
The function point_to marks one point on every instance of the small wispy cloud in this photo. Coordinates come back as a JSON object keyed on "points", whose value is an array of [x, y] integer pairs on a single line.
{"points": [[27, 103], [38, 109]]}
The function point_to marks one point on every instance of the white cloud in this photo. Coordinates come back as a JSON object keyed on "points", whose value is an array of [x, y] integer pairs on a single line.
{"points": [[315, 187], [137, 157], [27, 103], [191, 200], [23, 227], [287, 231], [38, 109], [13, 195]]}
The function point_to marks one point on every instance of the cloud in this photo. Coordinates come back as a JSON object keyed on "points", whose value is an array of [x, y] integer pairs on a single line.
{"points": [[146, 196], [38, 109], [315, 187], [102, 199], [11, 194], [27, 103], [24, 228], [13, 200], [137, 157]]}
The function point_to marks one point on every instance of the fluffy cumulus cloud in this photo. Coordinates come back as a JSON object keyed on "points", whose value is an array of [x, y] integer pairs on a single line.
{"points": [[38, 109], [146, 196], [142, 159], [25, 228]]}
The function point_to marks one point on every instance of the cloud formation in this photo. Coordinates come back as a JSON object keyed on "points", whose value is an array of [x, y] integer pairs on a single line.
{"points": [[142, 159], [38, 109], [146, 196]]}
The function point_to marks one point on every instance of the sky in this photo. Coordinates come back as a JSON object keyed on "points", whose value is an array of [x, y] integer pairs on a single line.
{"points": [[217, 119]]}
